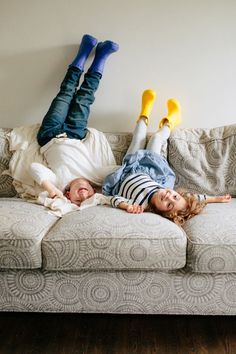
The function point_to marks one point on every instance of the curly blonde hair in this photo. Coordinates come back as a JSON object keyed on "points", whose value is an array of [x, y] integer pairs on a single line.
{"points": [[194, 207]]}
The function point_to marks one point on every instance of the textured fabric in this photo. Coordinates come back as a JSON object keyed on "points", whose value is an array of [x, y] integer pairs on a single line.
{"points": [[204, 160], [105, 238], [6, 187], [22, 227], [151, 292], [212, 239], [122, 291], [119, 143]]}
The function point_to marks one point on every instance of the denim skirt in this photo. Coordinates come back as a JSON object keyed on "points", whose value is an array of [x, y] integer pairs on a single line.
{"points": [[142, 161]]}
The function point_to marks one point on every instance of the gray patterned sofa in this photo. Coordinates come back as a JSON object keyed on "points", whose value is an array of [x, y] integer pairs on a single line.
{"points": [[105, 260]]}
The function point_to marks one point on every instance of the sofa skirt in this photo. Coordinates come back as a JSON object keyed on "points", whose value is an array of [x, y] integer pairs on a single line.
{"points": [[127, 292]]}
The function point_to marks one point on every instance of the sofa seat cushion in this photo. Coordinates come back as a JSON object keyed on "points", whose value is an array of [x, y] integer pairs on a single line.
{"points": [[212, 239], [22, 227], [102, 237]]}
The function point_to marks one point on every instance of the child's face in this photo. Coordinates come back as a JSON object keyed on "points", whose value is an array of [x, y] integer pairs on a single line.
{"points": [[168, 200], [80, 190]]}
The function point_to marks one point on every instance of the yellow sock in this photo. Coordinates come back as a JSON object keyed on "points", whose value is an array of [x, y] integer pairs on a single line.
{"points": [[174, 114], [148, 99]]}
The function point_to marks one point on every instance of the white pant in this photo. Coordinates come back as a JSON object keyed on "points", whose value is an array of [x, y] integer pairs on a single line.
{"points": [[139, 138]]}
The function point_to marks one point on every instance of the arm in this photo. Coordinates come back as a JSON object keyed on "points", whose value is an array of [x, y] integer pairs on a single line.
{"points": [[51, 189], [131, 208], [124, 204], [218, 199], [46, 179]]}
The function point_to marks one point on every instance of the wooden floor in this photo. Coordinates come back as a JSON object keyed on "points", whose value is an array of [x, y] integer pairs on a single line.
{"points": [[29, 333]]}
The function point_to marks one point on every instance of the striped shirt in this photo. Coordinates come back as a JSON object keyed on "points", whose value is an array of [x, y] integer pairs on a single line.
{"points": [[136, 189]]}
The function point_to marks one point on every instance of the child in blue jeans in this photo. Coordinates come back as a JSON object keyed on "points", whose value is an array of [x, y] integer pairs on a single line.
{"points": [[75, 154], [145, 180]]}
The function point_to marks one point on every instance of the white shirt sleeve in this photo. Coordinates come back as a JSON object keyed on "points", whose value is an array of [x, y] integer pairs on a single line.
{"points": [[41, 173]]}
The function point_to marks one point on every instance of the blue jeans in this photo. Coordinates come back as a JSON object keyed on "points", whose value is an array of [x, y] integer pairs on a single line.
{"points": [[69, 111]]}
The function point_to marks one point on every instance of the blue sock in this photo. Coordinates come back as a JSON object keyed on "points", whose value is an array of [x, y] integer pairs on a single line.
{"points": [[87, 44], [103, 50]]}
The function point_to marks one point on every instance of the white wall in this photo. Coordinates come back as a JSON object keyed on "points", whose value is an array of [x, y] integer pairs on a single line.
{"points": [[181, 48]]}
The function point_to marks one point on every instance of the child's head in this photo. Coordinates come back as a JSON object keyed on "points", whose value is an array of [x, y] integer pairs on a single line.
{"points": [[79, 190], [176, 206]]}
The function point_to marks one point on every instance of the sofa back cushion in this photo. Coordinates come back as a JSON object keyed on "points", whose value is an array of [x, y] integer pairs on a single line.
{"points": [[204, 160], [119, 143], [6, 187]]}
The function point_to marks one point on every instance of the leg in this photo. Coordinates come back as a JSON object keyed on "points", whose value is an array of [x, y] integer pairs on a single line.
{"points": [[53, 121], [139, 136], [158, 138], [75, 124]]}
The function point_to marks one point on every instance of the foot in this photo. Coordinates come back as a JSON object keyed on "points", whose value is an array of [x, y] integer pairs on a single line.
{"points": [[103, 50], [173, 118], [148, 99], [106, 48], [87, 44]]}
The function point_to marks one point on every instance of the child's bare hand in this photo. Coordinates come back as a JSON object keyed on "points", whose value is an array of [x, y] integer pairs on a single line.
{"points": [[135, 209], [219, 198], [52, 190], [55, 193], [223, 198]]}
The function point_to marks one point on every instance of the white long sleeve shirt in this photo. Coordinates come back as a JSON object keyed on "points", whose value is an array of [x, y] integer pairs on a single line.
{"points": [[67, 159], [61, 160]]}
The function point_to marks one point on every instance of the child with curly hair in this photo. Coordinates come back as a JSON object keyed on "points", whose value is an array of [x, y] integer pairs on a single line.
{"points": [[145, 180]]}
